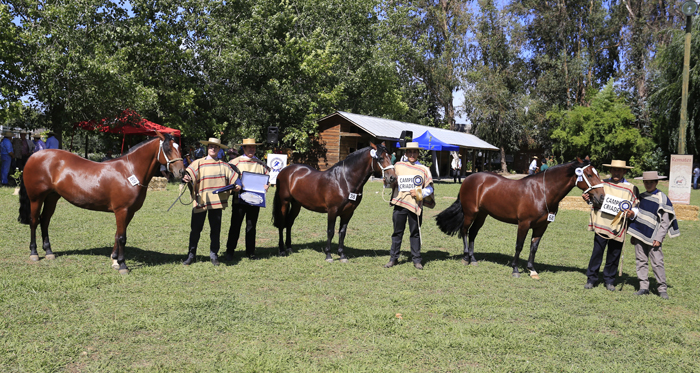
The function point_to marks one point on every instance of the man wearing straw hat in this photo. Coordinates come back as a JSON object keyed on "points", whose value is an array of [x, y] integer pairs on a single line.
{"points": [[38, 143], [241, 210], [533, 166], [655, 218], [413, 191], [610, 229], [207, 175], [51, 140], [6, 155]]}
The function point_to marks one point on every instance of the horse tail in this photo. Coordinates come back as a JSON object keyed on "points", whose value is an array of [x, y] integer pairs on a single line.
{"points": [[277, 217], [451, 219], [25, 210]]}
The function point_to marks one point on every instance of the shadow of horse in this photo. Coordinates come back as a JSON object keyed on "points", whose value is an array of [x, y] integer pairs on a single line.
{"points": [[505, 260], [143, 257]]}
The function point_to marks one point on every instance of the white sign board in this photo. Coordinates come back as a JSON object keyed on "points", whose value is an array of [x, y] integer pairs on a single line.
{"points": [[410, 182], [611, 204], [276, 162], [680, 178]]}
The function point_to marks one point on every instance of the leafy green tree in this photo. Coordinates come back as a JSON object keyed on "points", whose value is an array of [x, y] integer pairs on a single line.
{"points": [[11, 77], [604, 130], [665, 101], [494, 102]]}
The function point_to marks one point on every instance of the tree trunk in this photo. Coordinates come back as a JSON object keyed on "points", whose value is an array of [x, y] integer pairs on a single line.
{"points": [[504, 166]]}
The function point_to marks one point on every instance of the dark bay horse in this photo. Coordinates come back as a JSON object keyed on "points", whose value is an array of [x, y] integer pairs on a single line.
{"points": [[117, 185], [526, 202], [336, 191]]}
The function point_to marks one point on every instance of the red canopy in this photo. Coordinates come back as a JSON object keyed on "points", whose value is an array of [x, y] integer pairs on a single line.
{"points": [[129, 123]]}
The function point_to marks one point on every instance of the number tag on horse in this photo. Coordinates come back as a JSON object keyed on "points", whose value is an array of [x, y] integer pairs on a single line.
{"points": [[409, 182], [133, 180], [550, 217], [352, 197]]}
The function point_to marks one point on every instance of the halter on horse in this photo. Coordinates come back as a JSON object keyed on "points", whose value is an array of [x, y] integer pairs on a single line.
{"points": [[531, 203], [336, 191], [118, 186]]}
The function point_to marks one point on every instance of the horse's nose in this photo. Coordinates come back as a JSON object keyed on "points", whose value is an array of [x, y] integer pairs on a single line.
{"points": [[392, 179]]}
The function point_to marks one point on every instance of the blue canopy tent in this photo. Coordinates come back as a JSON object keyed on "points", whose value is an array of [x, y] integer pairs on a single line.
{"points": [[429, 142]]}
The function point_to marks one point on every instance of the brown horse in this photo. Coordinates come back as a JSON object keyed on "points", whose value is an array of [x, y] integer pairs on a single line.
{"points": [[118, 186], [336, 191], [528, 202]]}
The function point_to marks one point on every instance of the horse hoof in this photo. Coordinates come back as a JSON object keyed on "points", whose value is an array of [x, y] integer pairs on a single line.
{"points": [[34, 258], [536, 277], [516, 275], [124, 271], [343, 260], [466, 263], [329, 260], [50, 256], [115, 265], [289, 251]]}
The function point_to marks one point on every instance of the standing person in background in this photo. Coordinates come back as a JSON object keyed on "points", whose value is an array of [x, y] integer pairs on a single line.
{"points": [[456, 168], [408, 205], [51, 141], [38, 143], [544, 166], [533, 166], [207, 175], [608, 230], [6, 155], [199, 152], [241, 210], [393, 157], [27, 148], [17, 151], [696, 176], [656, 217]]}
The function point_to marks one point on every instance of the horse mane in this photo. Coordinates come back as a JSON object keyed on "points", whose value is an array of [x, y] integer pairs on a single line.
{"points": [[569, 166], [357, 156], [166, 144]]}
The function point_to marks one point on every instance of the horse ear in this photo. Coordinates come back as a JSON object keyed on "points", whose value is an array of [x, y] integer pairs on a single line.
{"points": [[160, 135], [588, 158], [372, 145], [578, 159]]}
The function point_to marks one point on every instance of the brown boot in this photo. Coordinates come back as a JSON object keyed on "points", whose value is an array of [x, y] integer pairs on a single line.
{"points": [[390, 264]]}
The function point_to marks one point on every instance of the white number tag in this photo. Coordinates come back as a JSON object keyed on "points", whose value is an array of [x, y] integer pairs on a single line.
{"points": [[133, 180], [352, 197], [550, 217]]}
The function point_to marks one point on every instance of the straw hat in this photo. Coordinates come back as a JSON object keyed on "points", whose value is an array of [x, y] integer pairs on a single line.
{"points": [[36, 135], [214, 141], [249, 142], [8, 133], [618, 164], [23, 132], [650, 176], [534, 157], [412, 145]]}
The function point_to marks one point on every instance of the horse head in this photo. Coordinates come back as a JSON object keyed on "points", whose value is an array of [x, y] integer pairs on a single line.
{"points": [[380, 156], [171, 155], [588, 180]]}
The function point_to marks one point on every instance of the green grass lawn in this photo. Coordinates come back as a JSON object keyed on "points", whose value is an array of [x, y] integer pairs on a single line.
{"points": [[299, 313]]}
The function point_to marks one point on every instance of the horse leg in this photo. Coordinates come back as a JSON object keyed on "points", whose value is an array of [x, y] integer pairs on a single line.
{"points": [[471, 232], [284, 211], [35, 217], [523, 227], [330, 231], [123, 218], [536, 237], [46, 214], [291, 216], [344, 220]]}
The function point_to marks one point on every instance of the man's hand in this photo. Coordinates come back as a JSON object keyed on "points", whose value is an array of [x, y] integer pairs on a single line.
{"points": [[586, 197], [630, 214], [413, 193], [186, 178], [656, 243], [266, 187]]}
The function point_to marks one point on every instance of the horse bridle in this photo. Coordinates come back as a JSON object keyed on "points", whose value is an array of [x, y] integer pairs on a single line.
{"points": [[374, 155], [167, 160], [581, 175]]}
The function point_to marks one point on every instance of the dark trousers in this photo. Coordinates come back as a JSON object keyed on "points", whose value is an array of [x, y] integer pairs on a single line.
{"points": [[197, 224], [612, 260], [250, 214], [400, 216], [457, 174]]}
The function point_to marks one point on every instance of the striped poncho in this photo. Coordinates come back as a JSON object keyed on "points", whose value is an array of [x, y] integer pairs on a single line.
{"points": [[404, 199], [652, 206], [207, 176], [601, 222]]}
